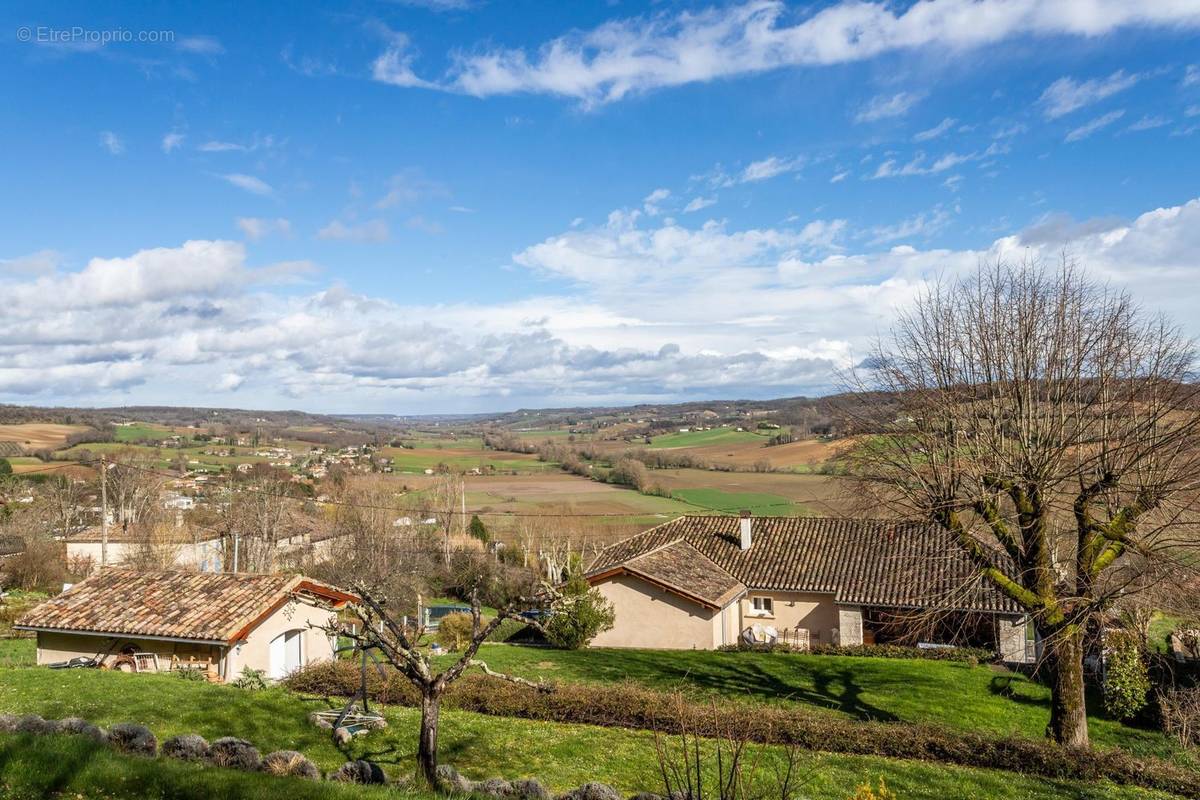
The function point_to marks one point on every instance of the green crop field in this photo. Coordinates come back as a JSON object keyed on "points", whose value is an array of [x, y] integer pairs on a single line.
{"points": [[139, 431], [758, 503], [716, 436]]}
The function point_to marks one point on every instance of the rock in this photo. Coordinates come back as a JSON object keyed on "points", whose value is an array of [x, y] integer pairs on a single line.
{"points": [[494, 787], [229, 751], [646, 796], [377, 724], [32, 723], [342, 736], [186, 747], [592, 791], [319, 721], [79, 727], [530, 789], [289, 762], [359, 772], [8, 723], [129, 737], [450, 779]]}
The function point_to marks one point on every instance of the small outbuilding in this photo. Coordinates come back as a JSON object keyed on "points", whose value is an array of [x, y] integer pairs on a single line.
{"points": [[220, 623]]}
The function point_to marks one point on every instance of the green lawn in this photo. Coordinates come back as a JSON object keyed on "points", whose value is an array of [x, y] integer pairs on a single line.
{"points": [[17, 652], [908, 690], [139, 431], [419, 460], [716, 436], [759, 503], [562, 756]]}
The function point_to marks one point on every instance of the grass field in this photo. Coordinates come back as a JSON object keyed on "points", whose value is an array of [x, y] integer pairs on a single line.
{"points": [[716, 436], [139, 431], [919, 691], [757, 503], [462, 459], [562, 756], [17, 652]]}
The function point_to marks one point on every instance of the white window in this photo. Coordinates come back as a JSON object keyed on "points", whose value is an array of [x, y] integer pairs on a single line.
{"points": [[763, 605]]}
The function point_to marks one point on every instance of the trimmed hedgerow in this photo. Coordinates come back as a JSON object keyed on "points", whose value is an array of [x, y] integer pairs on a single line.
{"points": [[632, 706], [965, 654]]}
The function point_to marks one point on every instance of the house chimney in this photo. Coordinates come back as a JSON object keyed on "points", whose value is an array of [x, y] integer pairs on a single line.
{"points": [[745, 521]]}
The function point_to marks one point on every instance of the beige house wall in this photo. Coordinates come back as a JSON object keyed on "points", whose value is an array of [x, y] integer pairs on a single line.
{"points": [[816, 612], [188, 556], [254, 652], [647, 616]]}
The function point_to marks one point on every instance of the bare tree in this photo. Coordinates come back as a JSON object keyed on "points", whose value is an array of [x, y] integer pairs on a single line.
{"points": [[1053, 429], [398, 643]]}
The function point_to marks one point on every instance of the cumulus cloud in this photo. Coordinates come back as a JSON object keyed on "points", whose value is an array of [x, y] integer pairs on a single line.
{"points": [[1066, 95], [652, 202], [625, 56], [39, 263], [656, 310], [1097, 124]]}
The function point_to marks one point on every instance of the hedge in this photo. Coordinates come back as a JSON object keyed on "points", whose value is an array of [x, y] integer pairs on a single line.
{"points": [[980, 655], [630, 705]]}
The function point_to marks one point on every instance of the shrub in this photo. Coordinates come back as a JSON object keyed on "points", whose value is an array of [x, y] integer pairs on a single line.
{"points": [[454, 631], [867, 792], [252, 680], [1180, 711], [968, 655], [1126, 681], [359, 772], [129, 737], [186, 747], [79, 727], [289, 762], [581, 615], [229, 751]]}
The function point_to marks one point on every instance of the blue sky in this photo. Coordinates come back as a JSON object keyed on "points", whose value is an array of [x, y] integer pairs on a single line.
{"points": [[456, 205]]}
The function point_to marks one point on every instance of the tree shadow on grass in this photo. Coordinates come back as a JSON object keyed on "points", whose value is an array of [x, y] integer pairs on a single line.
{"points": [[48, 770]]}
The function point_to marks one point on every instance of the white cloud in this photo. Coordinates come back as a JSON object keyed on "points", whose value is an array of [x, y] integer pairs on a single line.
{"points": [[651, 204], [891, 168], [39, 263], [658, 310], [172, 141], [886, 106], [768, 168], [1149, 122], [921, 226], [1099, 123], [375, 230], [1066, 95], [112, 143], [256, 228], [409, 186], [1191, 76], [840, 176], [249, 182], [203, 45], [230, 382], [1192, 111], [936, 130], [638, 54], [698, 203]]}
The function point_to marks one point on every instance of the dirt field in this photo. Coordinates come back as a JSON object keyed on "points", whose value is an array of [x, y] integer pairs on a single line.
{"points": [[38, 436]]}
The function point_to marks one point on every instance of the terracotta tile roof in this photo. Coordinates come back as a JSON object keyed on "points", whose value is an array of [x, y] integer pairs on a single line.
{"points": [[203, 606], [861, 562], [679, 567]]}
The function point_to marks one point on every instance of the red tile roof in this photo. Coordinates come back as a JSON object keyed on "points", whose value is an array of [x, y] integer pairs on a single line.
{"points": [[682, 569], [860, 562], [203, 606]]}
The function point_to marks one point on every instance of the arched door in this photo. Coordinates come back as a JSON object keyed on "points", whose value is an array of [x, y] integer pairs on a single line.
{"points": [[286, 653]]}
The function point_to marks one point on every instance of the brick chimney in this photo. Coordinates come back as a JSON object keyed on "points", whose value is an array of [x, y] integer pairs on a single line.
{"points": [[745, 523]]}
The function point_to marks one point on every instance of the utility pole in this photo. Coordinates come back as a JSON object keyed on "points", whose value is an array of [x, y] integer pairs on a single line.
{"points": [[103, 511]]}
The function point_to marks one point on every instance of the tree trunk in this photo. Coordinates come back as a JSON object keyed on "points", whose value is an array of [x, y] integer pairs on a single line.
{"points": [[427, 747], [1068, 708]]}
